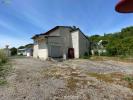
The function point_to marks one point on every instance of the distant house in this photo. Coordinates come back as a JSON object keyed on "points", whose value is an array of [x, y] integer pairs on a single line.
{"points": [[21, 52], [29, 50], [26, 50], [61, 41]]}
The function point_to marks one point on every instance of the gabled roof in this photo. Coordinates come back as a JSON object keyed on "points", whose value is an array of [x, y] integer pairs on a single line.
{"points": [[48, 32], [57, 27], [78, 29]]}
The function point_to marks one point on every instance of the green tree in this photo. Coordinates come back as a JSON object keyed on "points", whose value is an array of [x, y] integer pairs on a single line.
{"points": [[13, 51]]}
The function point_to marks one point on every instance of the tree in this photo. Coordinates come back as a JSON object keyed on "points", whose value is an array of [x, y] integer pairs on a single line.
{"points": [[13, 51], [118, 43]]}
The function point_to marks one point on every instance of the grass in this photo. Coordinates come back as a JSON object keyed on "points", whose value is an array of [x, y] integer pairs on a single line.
{"points": [[52, 72], [102, 77], [5, 67], [3, 82], [116, 78], [116, 58], [129, 80], [72, 83], [4, 71], [3, 57]]}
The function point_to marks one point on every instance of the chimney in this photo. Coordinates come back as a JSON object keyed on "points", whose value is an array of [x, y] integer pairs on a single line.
{"points": [[74, 27]]}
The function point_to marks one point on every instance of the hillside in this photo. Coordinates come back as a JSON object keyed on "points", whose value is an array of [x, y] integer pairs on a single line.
{"points": [[119, 43]]}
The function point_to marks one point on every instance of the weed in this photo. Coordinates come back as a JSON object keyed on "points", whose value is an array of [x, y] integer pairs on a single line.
{"points": [[128, 79], [72, 83], [3, 82], [53, 72], [3, 57], [102, 77]]}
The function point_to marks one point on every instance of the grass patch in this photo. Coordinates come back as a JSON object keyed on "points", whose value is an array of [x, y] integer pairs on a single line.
{"points": [[115, 58], [129, 80], [3, 82], [4, 71], [3, 58], [52, 72], [115, 78], [102, 77], [72, 83], [5, 67]]}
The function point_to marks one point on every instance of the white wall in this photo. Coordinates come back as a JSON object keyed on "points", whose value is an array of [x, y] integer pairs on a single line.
{"points": [[40, 50], [35, 51], [80, 43], [75, 43]]}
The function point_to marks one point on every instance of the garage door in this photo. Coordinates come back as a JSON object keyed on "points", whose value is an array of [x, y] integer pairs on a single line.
{"points": [[56, 51]]}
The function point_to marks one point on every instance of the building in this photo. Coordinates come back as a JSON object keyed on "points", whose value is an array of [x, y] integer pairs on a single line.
{"points": [[7, 51], [61, 41], [29, 50], [26, 50], [21, 52]]}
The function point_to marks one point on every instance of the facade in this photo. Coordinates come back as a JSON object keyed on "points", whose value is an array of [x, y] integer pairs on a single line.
{"points": [[26, 51], [21, 52], [7, 51], [61, 41]]}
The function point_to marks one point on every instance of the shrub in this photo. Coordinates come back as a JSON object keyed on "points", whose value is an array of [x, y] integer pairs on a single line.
{"points": [[129, 79], [3, 57], [13, 51], [85, 56]]}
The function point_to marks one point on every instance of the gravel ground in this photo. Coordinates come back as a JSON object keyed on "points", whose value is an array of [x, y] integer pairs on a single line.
{"points": [[33, 79]]}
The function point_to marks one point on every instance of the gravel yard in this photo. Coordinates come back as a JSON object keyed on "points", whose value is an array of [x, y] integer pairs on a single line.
{"points": [[32, 79]]}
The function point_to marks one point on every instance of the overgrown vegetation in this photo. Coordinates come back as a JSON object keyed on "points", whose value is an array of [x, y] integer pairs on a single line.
{"points": [[85, 56], [4, 67], [13, 51], [119, 43], [115, 78], [102, 77], [3, 58]]}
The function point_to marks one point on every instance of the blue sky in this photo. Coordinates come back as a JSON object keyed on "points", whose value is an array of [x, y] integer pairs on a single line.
{"points": [[21, 19]]}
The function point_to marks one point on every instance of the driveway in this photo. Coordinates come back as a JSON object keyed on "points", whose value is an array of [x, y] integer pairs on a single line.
{"points": [[33, 79]]}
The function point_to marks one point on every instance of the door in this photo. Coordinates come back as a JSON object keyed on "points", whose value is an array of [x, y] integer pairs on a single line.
{"points": [[71, 53], [56, 51]]}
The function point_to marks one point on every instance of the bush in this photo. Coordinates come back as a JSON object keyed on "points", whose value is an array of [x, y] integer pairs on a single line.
{"points": [[86, 56], [3, 57], [13, 51], [111, 51], [4, 68]]}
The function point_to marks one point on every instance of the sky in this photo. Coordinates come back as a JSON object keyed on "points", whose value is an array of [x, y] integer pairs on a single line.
{"points": [[22, 19]]}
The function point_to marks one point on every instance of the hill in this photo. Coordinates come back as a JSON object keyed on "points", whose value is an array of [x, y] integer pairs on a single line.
{"points": [[119, 43]]}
